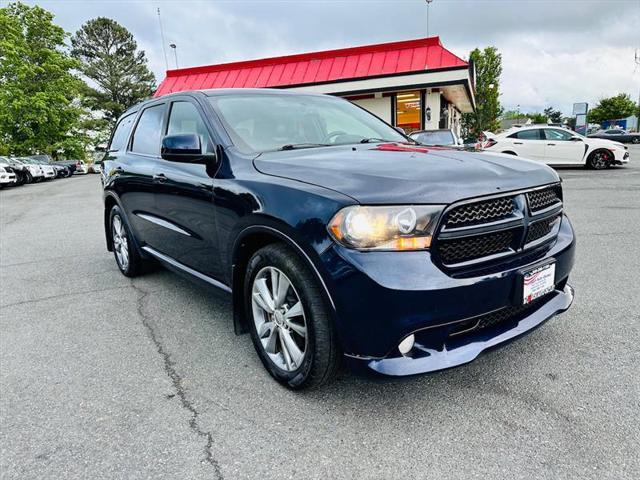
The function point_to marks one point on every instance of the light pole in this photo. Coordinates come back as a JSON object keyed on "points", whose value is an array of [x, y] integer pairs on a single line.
{"points": [[175, 52], [428, 5]]}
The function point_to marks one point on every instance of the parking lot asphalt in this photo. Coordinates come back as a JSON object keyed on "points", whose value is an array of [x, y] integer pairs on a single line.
{"points": [[104, 377]]}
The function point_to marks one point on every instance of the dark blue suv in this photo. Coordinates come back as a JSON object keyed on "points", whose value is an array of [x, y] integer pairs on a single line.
{"points": [[337, 236]]}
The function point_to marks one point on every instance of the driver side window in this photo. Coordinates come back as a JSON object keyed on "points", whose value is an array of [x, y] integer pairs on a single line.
{"points": [[185, 118], [558, 135]]}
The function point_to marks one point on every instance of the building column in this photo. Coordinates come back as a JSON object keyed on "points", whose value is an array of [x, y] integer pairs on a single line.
{"points": [[432, 101]]}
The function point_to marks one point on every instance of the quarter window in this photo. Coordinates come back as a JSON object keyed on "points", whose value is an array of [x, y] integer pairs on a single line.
{"points": [[121, 134], [146, 138]]}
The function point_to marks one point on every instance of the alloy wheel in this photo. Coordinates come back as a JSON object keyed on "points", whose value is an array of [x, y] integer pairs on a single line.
{"points": [[120, 242], [279, 317], [600, 160]]}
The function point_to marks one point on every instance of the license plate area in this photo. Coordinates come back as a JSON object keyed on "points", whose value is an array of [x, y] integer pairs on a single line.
{"points": [[536, 282]]}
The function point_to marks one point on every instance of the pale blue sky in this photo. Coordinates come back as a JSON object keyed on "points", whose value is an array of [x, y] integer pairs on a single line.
{"points": [[555, 52]]}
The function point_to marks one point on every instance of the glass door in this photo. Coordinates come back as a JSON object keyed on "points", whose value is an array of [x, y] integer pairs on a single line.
{"points": [[409, 111]]}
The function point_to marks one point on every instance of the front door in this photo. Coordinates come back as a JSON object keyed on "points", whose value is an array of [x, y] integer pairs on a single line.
{"points": [[184, 196], [528, 143], [561, 150]]}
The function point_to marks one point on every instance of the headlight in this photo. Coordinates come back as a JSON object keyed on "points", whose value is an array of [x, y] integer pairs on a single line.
{"points": [[385, 228]]}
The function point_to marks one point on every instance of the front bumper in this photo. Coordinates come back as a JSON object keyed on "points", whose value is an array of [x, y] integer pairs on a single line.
{"points": [[6, 178], [621, 156], [381, 297]]}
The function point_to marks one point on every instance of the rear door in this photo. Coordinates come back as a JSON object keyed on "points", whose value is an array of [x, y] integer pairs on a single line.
{"points": [[528, 144], [561, 150], [185, 196]]}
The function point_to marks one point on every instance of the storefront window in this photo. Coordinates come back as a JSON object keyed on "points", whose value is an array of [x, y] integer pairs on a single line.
{"points": [[408, 108]]}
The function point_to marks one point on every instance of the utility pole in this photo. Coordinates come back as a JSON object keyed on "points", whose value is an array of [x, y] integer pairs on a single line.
{"points": [[164, 50], [428, 5]]}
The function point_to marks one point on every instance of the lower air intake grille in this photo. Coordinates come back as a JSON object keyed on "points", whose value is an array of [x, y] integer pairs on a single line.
{"points": [[495, 318], [464, 249]]}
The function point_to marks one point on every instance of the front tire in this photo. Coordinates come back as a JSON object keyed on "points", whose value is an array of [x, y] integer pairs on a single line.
{"points": [[124, 249], [290, 324], [599, 160]]}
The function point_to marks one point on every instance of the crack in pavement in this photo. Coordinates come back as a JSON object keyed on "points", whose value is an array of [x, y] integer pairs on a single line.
{"points": [[176, 379], [60, 295]]}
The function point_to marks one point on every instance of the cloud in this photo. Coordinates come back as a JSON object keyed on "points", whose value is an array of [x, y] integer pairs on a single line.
{"points": [[555, 52]]}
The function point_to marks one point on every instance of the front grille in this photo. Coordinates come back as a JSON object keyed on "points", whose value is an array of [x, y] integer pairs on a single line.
{"points": [[496, 318], [481, 212], [469, 248], [477, 232], [540, 229], [541, 199]]}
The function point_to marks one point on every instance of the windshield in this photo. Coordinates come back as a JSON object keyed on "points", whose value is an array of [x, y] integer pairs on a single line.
{"points": [[261, 122], [440, 137]]}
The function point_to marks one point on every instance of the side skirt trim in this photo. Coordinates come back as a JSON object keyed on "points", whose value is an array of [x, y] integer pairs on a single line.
{"points": [[184, 268]]}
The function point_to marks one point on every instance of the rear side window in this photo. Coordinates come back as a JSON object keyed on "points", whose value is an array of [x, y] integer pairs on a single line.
{"points": [[146, 138], [121, 134], [527, 135]]}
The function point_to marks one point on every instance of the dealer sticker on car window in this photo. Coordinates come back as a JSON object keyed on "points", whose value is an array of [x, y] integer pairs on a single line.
{"points": [[538, 282]]}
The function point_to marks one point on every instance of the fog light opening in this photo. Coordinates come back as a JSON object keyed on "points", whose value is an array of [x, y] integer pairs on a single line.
{"points": [[406, 345]]}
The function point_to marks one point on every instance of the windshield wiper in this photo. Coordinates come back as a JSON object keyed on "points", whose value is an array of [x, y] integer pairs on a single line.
{"points": [[375, 140], [294, 146]]}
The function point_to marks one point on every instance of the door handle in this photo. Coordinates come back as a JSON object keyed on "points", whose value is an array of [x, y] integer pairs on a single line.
{"points": [[517, 143], [551, 144], [160, 177]]}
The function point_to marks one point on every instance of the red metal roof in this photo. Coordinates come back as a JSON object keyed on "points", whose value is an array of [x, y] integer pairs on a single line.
{"points": [[408, 56]]}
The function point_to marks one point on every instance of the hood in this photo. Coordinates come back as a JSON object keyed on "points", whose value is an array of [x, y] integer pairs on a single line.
{"points": [[393, 173]]}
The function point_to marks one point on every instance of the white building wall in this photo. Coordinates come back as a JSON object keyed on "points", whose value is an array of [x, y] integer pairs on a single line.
{"points": [[381, 107]]}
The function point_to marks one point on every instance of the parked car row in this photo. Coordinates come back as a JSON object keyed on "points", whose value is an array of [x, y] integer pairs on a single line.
{"points": [[16, 171]]}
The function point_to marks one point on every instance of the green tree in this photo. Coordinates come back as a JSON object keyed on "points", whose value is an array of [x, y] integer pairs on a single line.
{"points": [[488, 66], [612, 108], [110, 59], [538, 117], [553, 116], [37, 88]]}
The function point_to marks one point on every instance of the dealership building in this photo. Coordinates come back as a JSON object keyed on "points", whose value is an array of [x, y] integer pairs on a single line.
{"points": [[414, 84]]}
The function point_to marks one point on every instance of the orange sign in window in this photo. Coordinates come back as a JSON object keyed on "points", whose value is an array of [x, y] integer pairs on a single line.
{"points": [[408, 111]]}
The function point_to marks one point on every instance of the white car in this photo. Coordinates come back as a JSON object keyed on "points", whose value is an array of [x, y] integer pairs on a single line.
{"points": [[6, 177], [81, 168], [35, 170], [557, 147]]}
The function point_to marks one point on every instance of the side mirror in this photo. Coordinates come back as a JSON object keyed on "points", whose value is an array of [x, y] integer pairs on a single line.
{"points": [[183, 147], [401, 130], [576, 139]]}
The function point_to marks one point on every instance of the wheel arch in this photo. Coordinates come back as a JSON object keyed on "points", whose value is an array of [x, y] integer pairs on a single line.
{"points": [[249, 241]]}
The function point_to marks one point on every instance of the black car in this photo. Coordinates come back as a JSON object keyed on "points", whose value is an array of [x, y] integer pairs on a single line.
{"points": [[68, 165], [617, 135], [337, 237]]}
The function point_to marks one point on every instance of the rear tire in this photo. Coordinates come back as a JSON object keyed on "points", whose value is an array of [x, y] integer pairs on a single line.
{"points": [[125, 251], [315, 357], [635, 140], [599, 160]]}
